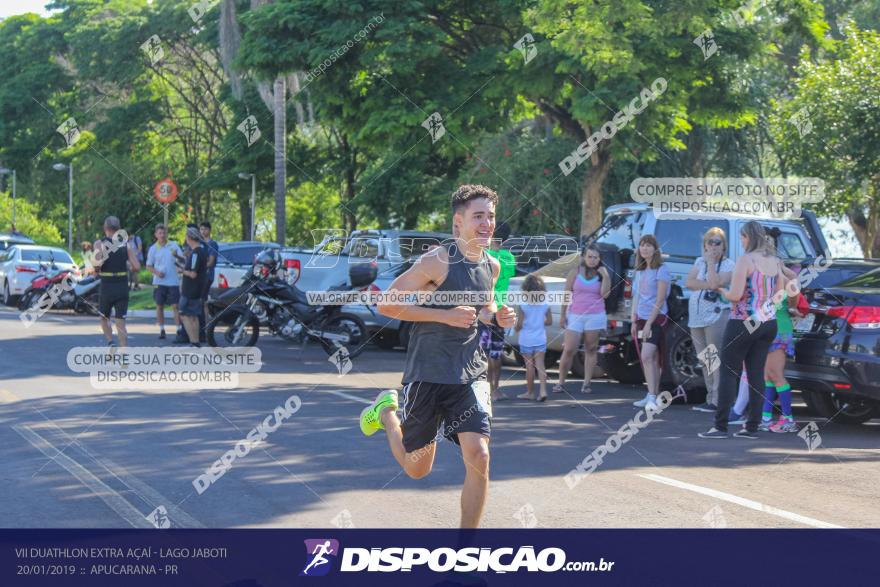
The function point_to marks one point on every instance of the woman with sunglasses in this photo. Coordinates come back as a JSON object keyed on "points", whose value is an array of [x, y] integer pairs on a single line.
{"points": [[708, 312]]}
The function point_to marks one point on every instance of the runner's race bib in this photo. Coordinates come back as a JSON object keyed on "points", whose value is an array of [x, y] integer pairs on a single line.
{"points": [[482, 392]]}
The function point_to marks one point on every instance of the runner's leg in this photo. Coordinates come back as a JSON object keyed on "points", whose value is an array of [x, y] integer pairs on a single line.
{"points": [[121, 332], [475, 454], [106, 329], [416, 464]]}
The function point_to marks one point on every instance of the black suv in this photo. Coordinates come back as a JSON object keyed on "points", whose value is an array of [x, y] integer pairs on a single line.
{"points": [[837, 363]]}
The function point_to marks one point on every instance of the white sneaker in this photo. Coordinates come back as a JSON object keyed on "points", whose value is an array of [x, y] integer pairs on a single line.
{"points": [[644, 402], [652, 403]]}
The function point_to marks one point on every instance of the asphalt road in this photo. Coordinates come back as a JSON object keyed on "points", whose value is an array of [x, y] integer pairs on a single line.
{"points": [[74, 456]]}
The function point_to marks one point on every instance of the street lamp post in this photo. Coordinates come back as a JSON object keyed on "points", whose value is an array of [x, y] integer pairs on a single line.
{"points": [[69, 168], [3, 171], [253, 179]]}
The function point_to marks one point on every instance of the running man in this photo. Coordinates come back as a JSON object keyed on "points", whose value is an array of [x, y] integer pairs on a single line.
{"points": [[319, 559], [445, 374], [110, 262]]}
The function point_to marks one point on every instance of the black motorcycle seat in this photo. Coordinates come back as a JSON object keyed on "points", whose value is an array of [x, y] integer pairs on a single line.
{"points": [[293, 294]]}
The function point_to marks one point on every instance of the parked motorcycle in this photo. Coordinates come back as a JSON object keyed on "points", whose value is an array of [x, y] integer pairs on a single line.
{"points": [[266, 297], [82, 298]]}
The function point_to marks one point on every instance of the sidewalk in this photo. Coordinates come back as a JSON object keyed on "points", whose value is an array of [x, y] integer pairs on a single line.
{"points": [[148, 313]]}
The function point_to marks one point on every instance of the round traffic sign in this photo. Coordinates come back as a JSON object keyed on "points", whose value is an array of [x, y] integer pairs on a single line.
{"points": [[165, 191]]}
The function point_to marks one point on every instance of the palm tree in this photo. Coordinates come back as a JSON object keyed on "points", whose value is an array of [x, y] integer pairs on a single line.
{"points": [[274, 97]]}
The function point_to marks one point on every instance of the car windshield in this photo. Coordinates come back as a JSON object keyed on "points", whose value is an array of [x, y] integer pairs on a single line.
{"points": [[57, 255], [684, 238]]}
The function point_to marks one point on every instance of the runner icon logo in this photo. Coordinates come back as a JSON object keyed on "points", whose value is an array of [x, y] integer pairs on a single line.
{"points": [[321, 553]]}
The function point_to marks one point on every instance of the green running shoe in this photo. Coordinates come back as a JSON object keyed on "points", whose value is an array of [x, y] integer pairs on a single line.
{"points": [[370, 416]]}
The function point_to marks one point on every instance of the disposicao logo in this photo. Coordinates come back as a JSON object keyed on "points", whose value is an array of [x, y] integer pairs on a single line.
{"points": [[321, 554]]}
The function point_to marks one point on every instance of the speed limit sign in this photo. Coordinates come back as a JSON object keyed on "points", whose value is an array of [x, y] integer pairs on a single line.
{"points": [[165, 191]]}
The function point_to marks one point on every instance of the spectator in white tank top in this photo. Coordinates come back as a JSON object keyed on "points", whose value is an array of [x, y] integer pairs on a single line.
{"points": [[532, 320]]}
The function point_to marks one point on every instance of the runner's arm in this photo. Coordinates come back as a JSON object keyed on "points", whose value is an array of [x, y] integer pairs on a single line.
{"points": [[430, 269], [488, 311]]}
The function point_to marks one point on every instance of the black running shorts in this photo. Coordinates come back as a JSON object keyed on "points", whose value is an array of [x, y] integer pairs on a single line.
{"points": [[113, 295], [429, 408]]}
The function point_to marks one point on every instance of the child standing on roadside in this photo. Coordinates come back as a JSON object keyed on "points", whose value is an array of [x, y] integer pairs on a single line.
{"points": [[776, 385], [532, 319]]}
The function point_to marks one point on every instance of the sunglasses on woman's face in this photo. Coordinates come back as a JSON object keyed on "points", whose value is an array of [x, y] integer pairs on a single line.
{"points": [[715, 242]]}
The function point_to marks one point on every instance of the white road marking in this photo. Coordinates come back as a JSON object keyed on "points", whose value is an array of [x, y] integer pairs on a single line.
{"points": [[180, 518], [348, 396], [748, 503], [116, 502]]}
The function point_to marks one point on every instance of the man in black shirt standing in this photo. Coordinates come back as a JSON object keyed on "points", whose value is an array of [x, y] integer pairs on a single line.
{"points": [[192, 284], [110, 255]]}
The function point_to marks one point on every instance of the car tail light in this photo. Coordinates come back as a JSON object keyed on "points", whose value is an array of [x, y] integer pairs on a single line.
{"points": [[24, 269], [222, 282], [864, 317], [294, 268], [857, 316], [627, 289], [842, 386]]}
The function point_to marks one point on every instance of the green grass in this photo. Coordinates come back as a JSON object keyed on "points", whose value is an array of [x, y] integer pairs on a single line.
{"points": [[142, 299]]}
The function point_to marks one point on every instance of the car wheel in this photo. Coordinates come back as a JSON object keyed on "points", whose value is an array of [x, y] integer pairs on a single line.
{"points": [[619, 369], [7, 298], [841, 409], [681, 365]]}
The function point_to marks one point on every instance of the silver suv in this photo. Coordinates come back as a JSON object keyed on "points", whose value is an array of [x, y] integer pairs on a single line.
{"points": [[679, 237]]}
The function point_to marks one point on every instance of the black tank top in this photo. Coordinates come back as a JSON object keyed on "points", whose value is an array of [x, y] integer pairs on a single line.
{"points": [[439, 353], [115, 262]]}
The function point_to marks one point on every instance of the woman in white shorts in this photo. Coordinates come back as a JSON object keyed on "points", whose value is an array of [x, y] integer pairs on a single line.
{"points": [[589, 285]]}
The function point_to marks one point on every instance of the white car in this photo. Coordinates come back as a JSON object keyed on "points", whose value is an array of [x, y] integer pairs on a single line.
{"points": [[19, 264]]}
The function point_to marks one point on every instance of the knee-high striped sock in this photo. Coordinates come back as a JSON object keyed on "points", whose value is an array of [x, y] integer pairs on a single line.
{"points": [[784, 392], [769, 398]]}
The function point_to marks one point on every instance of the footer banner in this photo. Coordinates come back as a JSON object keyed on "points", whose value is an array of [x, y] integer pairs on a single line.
{"points": [[252, 558]]}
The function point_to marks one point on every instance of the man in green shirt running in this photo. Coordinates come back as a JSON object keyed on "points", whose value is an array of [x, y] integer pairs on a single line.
{"points": [[492, 337]]}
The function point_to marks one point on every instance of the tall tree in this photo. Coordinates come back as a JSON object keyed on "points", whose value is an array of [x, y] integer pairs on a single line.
{"points": [[829, 129]]}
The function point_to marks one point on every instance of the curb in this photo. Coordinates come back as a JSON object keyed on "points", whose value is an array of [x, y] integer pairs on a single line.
{"points": [[148, 313]]}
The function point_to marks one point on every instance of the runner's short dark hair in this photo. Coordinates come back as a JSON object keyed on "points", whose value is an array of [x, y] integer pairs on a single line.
{"points": [[205, 224], [112, 223], [468, 192]]}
